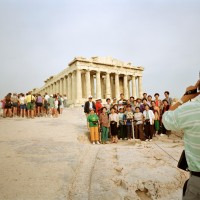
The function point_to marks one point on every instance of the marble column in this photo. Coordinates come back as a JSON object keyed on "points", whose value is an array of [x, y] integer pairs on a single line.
{"points": [[102, 87], [92, 84], [108, 89], [64, 85], [73, 92], [49, 89], [58, 87], [88, 86], [69, 89], [125, 87], [54, 87], [98, 85], [78, 85], [140, 90], [112, 86], [83, 86], [117, 89], [133, 87], [61, 88]]}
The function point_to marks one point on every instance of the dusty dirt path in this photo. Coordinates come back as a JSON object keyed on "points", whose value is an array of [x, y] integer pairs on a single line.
{"points": [[52, 159]]}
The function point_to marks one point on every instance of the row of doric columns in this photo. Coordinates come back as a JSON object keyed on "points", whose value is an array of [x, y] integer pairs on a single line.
{"points": [[80, 84]]}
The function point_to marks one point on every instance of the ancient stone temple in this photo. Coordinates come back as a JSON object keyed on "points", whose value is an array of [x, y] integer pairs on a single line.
{"points": [[100, 77]]}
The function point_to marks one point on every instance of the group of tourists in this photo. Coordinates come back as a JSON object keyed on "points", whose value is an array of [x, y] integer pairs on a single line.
{"points": [[123, 119], [32, 105]]}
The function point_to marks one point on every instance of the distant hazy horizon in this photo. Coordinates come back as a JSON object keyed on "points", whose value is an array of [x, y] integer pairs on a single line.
{"points": [[39, 38]]}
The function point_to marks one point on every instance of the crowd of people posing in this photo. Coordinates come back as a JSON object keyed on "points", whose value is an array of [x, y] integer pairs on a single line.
{"points": [[32, 105], [126, 119]]}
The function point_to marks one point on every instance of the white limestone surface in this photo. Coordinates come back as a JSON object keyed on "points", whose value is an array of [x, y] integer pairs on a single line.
{"points": [[52, 159]]}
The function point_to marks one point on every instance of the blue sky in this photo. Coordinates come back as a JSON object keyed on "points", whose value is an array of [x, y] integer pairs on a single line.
{"points": [[40, 38]]}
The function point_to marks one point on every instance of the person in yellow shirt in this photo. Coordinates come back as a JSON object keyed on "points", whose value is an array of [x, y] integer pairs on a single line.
{"points": [[30, 101]]}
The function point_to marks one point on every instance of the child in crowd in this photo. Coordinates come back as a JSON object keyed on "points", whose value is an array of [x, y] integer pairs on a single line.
{"points": [[114, 123], [104, 122], [122, 127], [138, 124], [93, 125], [128, 119]]}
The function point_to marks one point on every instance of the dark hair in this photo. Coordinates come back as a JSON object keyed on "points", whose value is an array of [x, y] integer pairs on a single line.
{"points": [[112, 108], [144, 99], [137, 108], [153, 102], [165, 100], [103, 108], [144, 93], [107, 99], [122, 94], [156, 94], [166, 92], [132, 97], [149, 96], [128, 106], [147, 105]]}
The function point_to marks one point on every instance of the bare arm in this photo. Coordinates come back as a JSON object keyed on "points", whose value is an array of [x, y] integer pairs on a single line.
{"points": [[186, 98]]}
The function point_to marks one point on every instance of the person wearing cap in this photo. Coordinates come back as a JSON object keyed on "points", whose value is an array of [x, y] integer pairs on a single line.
{"points": [[89, 105], [185, 115], [98, 106], [93, 126]]}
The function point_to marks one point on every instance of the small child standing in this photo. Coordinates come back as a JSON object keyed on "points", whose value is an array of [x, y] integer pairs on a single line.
{"points": [[128, 119], [104, 122], [122, 126]]}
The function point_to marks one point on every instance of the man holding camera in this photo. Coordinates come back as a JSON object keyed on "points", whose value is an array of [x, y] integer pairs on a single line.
{"points": [[186, 116]]}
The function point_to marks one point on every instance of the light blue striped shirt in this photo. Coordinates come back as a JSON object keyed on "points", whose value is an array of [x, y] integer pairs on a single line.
{"points": [[187, 118]]}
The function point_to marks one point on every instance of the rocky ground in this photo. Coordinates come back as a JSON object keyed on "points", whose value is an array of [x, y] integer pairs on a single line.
{"points": [[52, 159]]}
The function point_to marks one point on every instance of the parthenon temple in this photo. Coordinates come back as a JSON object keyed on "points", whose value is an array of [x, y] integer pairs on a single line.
{"points": [[100, 77]]}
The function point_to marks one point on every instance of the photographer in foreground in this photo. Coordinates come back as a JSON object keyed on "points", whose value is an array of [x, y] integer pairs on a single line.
{"points": [[186, 116]]}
